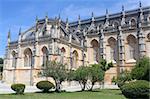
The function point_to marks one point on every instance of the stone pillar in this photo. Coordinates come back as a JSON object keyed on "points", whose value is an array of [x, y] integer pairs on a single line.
{"points": [[121, 54], [101, 44], [71, 63], [141, 41], [70, 40], [82, 45], [140, 35]]}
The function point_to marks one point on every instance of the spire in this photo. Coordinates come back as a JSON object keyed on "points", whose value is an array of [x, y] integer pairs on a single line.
{"points": [[122, 8], [93, 17], [140, 4], [78, 19], [8, 38], [79, 23], [106, 13], [20, 31], [36, 19], [106, 20], [141, 12], [67, 23], [66, 20], [19, 40], [59, 18], [123, 11], [55, 17], [46, 17], [123, 16]]}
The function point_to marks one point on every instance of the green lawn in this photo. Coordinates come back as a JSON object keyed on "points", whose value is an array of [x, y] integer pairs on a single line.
{"points": [[103, 94]]}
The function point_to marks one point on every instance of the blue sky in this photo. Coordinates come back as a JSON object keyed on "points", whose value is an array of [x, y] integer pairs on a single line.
{"points": [[21, 13]]}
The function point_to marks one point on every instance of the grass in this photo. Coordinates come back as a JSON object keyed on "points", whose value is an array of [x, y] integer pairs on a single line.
{"points": [[99, 94]]}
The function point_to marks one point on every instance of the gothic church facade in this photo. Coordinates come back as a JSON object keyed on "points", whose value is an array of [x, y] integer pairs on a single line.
{"points": [[121, 38]]}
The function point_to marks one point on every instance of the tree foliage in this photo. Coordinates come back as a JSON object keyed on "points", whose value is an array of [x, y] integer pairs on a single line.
{"points": [[136, 89], [57, 71], [96, 74], [123, 77], [1, 64], [45, 86], [18, 88], [104, 65], [1, 61], [142, 69], [81, 75]]}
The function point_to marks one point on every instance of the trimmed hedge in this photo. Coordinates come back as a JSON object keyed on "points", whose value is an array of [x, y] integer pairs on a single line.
{"points": [[45, 86], [18, 88], [137, 89]]}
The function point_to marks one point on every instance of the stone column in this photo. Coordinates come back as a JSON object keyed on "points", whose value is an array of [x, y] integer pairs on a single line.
{"points": [[101, 44], [70, 40], [140, 34], [82, 45], [141, 41], [121, 54]]}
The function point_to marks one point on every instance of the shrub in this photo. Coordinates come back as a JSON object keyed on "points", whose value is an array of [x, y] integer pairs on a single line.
{"points": [[137, 89], [114, 80], [123, 78], [45, 86], [18, 88], [142, 69]]}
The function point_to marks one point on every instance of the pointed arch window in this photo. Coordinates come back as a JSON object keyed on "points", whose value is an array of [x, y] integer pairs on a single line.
{"points": [[113, 48], [14, 59], [116, 24], [28, 57], [62, 54], [133, 22], [75, 59], [148, 36], [45, 56], [132, 46], [95, 47]]}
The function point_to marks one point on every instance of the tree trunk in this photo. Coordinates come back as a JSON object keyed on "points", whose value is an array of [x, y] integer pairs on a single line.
{"points": [[58, 89], [92, 86], [84, 85]]}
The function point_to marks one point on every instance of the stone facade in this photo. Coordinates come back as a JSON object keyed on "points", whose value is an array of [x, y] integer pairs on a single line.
{"points": [[122, 38]]}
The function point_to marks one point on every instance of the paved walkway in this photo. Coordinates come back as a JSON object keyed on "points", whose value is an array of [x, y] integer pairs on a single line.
{"points": [[5, 88]]}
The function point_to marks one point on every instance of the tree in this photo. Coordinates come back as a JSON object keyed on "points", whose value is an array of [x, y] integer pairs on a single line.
{"points": [[124, 77], [57, 71], [96, 74], [81, 75], [1, 66], [105, 66], [142, 69], [1, 61]]}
